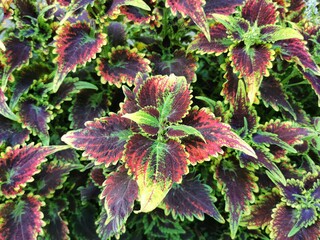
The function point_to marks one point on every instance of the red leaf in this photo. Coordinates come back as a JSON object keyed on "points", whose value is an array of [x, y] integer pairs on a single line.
{"points": [[122, 66], [102, 139], [75, 44], [21, 219], [221, 6], [156, 166], [119, 194], [219, 41], [18, 165], [193, 9], [259, 11], [169, 94], [215, 133]]}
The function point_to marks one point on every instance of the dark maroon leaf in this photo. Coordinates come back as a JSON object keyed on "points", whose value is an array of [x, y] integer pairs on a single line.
{"points": [[97, 176], [89, 192], [27, 10], [314, 80], [238, 185], [191, 198], [171, 94], [50, 178], [272, 93], [88, 105], [259, 11], [261, 211], [271, 139], [122, 66], [67, 156], [292, 190], [56, 227], [219, 41], [18, 165], [215, 133], [21, 219], [193, 9], [103, 139], [119, 194], [137, 15], [11, 133], [284, 219], [221, 6], [63, 93], [116, 34], [35, 117], [182, 64], [156, 166], [17, 53], [230, 88], [295, 50], [130, 104], [75, 44]]}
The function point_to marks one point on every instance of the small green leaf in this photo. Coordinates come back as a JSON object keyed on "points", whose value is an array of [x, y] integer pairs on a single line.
{"points": [[187, 130], [282, 33], [142, 118], [138, 3], [85, 85]]}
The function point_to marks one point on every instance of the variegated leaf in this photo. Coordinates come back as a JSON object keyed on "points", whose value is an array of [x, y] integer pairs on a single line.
{"points": [[156, 166], [260, 12]]}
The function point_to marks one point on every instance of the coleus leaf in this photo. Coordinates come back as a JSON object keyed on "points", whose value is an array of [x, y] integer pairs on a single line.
{"points": [[103, 139], [181, 64], [260, 12], [56, 227], [122, 66], [295, 50], [36, 118], [306, 217], [193, 9], [314, 80], [252, 63], [21, 219], [75, 44], [191, 198], [137, 15], [26, 10], [94, 103], [183, 131], [119, 193], [238, 185], [284, 219], [291, 191], [116, 34], [50, 178], [18, 165], [4, 108], [156, 166], [221, 6], [116, 4], [272, 94], [169, 94], [273, 33], [261, 211], [11, 133], [230, 87], [215, 133], [219, 41], [17, 53]]}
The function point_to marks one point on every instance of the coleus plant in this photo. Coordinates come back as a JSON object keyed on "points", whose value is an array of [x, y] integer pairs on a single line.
{"points": [[62, 64], [153, 139]]}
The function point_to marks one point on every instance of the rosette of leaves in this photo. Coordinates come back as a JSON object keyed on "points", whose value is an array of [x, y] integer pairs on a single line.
{"points": [[155, 136], [252, 37]]}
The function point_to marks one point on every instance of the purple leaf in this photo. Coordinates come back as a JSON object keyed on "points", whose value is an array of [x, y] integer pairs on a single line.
{"points": [[314, 80], [219, 41], [88, 105], [292, 190], [21, 219], [193, 9], [26, 10], [11, 133], [97, 176], [238, 185], [103, 139], [50, 178], [17, 53], [119, 194], [272, 93], [259, 11], [35, 117], [284, 219], [116, 34], [156, 166], [215, 133], [137, 15], [306, 217], [221, 6], [182, 64], [75, 44], [122, 66], [191, 198], [261, 211], [18, 165], [171, 94]]}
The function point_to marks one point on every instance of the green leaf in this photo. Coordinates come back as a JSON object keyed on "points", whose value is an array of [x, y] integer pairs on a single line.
{"points": [[138, 3], [280, 33], [228, 21], [142, 118], [187, 130]]}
